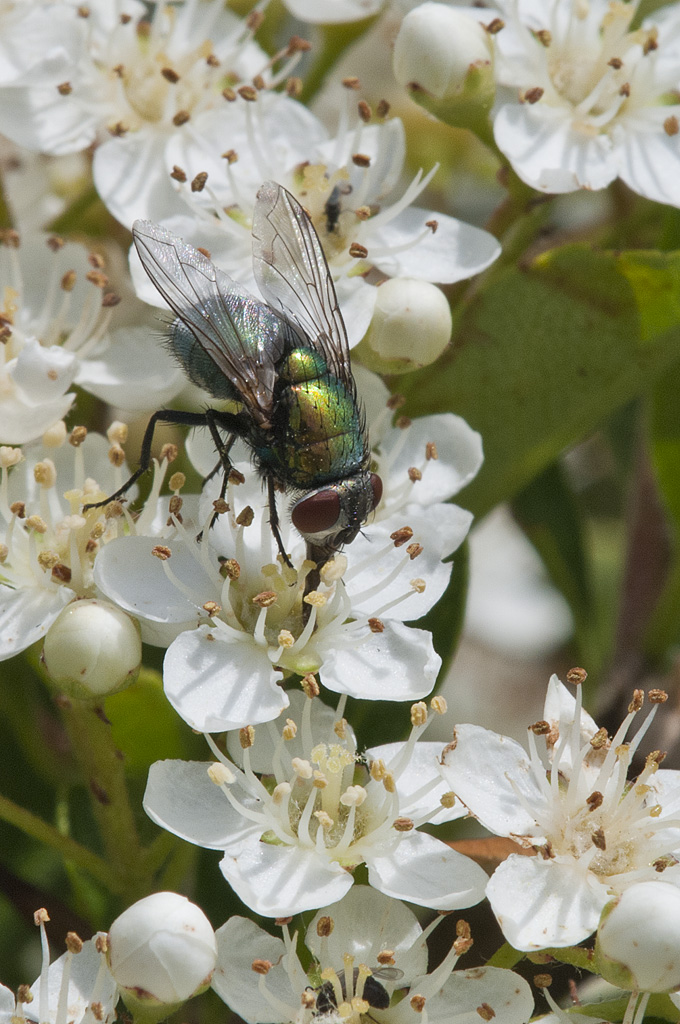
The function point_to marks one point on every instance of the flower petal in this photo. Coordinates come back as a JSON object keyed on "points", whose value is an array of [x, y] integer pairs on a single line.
{"points": [[219, 680], [240, 942], [507, 996], [427, 872], [27, 614], [135, 372], [277, 881], [542, 903], [419, 785], [398, 664]]}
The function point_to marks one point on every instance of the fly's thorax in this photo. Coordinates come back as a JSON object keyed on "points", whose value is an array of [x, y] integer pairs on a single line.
{"points": [[318, 427]]}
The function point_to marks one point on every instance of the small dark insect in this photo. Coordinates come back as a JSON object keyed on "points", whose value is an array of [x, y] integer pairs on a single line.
{"points": [[285, 361], [333, 207], [375, 994]]}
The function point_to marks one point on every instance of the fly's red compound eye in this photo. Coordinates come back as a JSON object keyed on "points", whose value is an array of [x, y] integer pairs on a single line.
{"points": [[316, 513], [377, 488]]}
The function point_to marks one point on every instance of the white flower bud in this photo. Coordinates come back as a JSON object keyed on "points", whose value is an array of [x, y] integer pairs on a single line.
{"points": [[161, 951], [92, 649], [639, 938], [411, 326], [444, 58]]}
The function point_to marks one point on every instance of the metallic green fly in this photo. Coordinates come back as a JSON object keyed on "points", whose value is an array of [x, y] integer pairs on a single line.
{"points": [[285, 361]]}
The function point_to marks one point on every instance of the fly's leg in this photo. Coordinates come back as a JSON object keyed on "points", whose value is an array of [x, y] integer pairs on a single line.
{"points": [[274, 521], [193, 419], [213, 418]]}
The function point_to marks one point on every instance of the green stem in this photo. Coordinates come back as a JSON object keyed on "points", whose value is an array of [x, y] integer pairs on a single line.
{"points": [[102, 767], [507, 956], [31, 825]]}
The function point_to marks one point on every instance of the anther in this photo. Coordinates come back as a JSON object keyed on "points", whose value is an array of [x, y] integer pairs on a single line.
{"points": [[544, 37], [178, 174], [432, 225], [220, 774], [417, 1003], [310, 686], [533, 95], [294, 87], [362, 212], [44, 473], [541, 728], [248, 93], [403, 825], [419, 713], [198, 182], [598, 839], [116, 455], [671, 126], [657, 696], [64, 88], [55, 243], [10, 238], [162, 552], [265, 599], [448, 800], [170, 75], [61, 573], [351, 82], [220, 506], [77, 436], [289, 731], [296, 44], [212, 608], [495, 26], [18, 509], [36, 523], [68, 281], [176, 483], [246, 737], [542, 980], [359, 252], [403, 422], [97, 278], [261, 966], [180, 118], [383, 109], [74, 943], [40, 917], [576, 676], [414, 474], [364, 110], [212, 61], [236, 477], [245, 517], [600, 739], [229, 94], [376, 626], [595, 800], [401, 536], [231, 156], [637, 701], [254, 20], [230, 569], [324, 927], [169, 452], [439, 705]]}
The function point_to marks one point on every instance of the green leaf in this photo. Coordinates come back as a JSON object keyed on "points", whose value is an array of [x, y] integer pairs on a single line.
{"points": [[542, 355]]}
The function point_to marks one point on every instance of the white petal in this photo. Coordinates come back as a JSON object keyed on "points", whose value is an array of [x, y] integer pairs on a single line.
{"points": [[506, 994], [239, 943], [650, 160], [6, 1005], [43, 374], [454, 252], [277, 881], [136, 372], [493, 776], [420, 785], [373, 558], [129, 574], [21, 422], [216, 684], [397, 664], [459, 451], [39, 44], [427, 872], [27, 614], [84, 972], [181, 798], [132, 176], [43, 120], [542, 903], [548, 154], [365, 922]]}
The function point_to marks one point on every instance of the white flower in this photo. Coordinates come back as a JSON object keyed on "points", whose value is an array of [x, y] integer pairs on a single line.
{"points": [[114, 74], [48, 546], [55, 315], [364, 949], [294, 818], [253, 619], [594, 832], [596, 101], [76, 989], [161, 951], [346, 183]]}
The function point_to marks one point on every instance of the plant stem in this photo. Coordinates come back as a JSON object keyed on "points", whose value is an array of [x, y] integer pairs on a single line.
{"points": [[31, 825], [102, 767]]}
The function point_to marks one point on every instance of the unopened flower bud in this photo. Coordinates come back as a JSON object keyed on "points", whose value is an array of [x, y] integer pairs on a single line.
{"points": [[411, 326], [444, 58], [92, 649], [639, 937], [161, 952]]}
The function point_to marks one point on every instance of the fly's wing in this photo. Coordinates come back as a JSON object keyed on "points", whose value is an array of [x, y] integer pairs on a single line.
{"points": [[292, 273], [242, 336]]}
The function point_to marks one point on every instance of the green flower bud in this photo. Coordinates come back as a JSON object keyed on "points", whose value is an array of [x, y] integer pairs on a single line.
{"points": [[444, 58], [411, 327], [92, 649], [638, 940]]}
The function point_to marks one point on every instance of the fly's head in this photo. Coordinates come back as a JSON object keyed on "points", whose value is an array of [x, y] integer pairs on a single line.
{"points": [[331, 516]]}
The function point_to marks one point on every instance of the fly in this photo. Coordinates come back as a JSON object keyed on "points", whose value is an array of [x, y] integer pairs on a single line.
{"points": [[284, 360], [374, 992]]}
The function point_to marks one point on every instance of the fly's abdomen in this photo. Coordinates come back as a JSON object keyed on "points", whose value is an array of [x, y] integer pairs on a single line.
{"points": [[320, 435]]}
